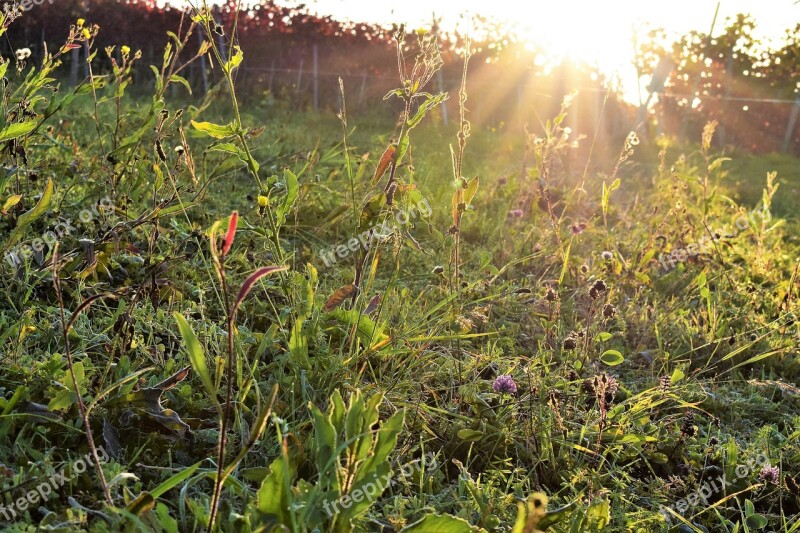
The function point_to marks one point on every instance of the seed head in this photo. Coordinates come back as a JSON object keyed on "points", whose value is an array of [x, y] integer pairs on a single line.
{"points": [[570, 343]]}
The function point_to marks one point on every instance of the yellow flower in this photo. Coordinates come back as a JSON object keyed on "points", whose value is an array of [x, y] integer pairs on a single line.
{"points": [[81, 22], [126, 50], [86, 34], [263, 201]]}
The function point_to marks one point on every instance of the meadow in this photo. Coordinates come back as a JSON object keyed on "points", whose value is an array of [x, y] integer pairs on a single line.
{"points": [[235, 316]]}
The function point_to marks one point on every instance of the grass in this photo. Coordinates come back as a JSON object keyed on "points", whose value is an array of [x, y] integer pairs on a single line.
{"points": [[370, 395]]}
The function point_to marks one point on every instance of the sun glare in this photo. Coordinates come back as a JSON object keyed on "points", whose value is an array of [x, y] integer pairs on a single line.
{"points": [[601, 34]]}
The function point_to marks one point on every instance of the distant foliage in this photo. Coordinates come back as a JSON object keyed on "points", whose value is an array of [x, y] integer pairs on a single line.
{"points": [[729, 74]]}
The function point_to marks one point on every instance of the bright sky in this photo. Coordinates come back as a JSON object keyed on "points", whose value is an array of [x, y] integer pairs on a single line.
{"points": [[599, 32]]}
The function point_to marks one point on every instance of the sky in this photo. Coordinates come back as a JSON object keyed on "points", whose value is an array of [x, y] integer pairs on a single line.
{"points": [[598, 32]]}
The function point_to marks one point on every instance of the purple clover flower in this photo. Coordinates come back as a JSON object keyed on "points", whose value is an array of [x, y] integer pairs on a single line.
{"points": [[770, 474], [504, 384]]}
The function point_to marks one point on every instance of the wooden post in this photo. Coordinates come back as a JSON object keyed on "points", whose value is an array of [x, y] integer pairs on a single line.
{"points": [[787, 137], [86, 57], [73, 66], [363, 92], [271, 75], [316, 78], [299, 76]]}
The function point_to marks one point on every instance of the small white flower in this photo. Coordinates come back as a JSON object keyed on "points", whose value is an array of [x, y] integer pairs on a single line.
{"points": [[180, 149], [23, 54]]}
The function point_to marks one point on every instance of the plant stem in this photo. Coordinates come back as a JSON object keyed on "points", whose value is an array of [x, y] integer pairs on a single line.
{"points": [[81, 406]]}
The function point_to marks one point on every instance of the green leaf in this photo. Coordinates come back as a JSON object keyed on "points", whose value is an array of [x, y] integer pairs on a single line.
{"points": [[756, 521], [181, 80], [376, 467], [292, 193], [236, 60], [426, 106], [603, 336], [470, 435], [436, 523], [174, 481], [368, 332], [326, 440], [66, 397], [197, 356], [230, 148], [612, 357], [274, 496], [27, 218], [470, 190], [676, 376], [298, 345], [12, 131], [214, 130], [302, 296]]}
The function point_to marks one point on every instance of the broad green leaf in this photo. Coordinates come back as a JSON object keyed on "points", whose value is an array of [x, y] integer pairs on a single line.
{"points": [[470, 435], [612, 357], [214, 130], [470, 190], [27, 218], [231, 148], [436, 523], [756, 521], [197, 356], [66, 397], [12, 131], [274, 496]]}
